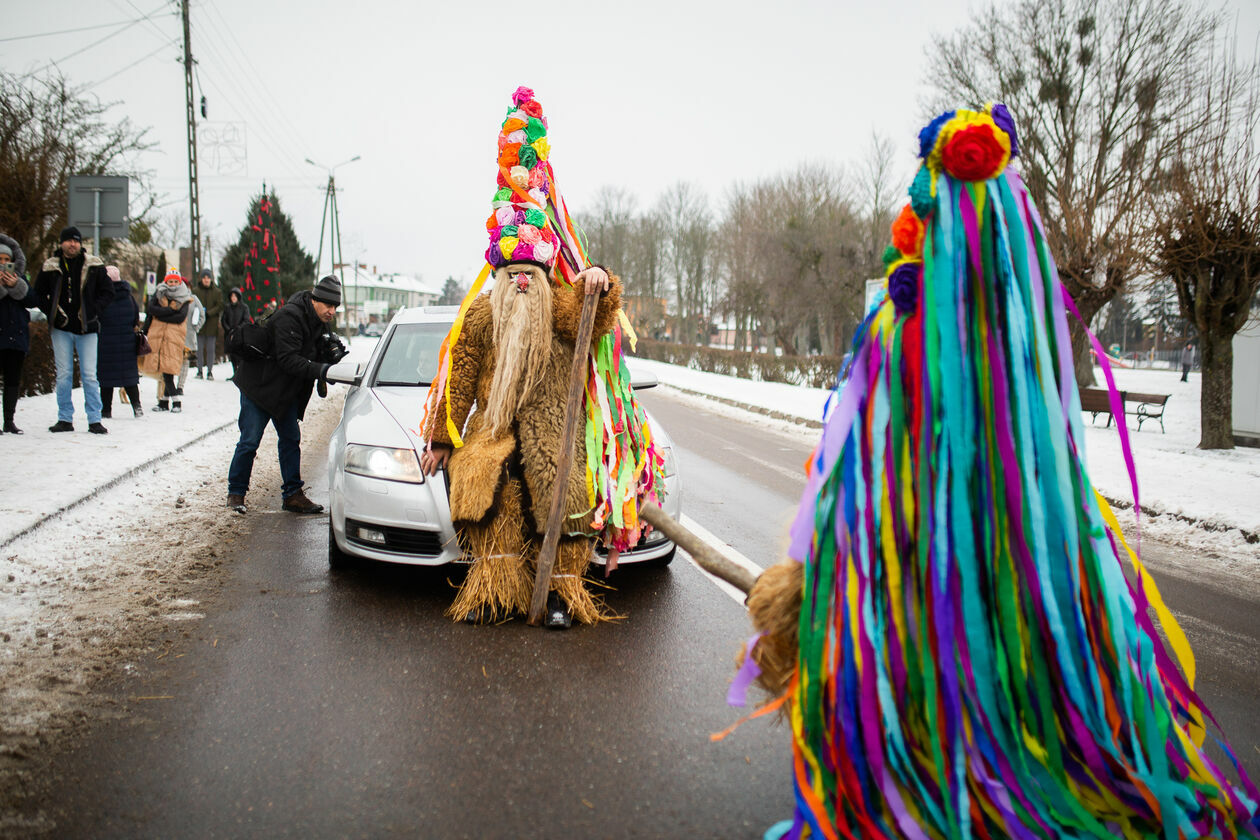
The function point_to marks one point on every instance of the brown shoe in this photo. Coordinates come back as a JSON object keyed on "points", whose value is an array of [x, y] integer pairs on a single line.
{"points": [[298, 503], [236, 503]]}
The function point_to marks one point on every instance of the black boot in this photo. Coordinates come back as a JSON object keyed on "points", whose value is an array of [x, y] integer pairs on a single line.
{"points": [[557, 616], [162, 405], [10, 428]]}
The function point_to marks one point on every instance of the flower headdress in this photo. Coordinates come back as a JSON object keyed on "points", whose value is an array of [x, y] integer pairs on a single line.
{"points": [[520, 230]]}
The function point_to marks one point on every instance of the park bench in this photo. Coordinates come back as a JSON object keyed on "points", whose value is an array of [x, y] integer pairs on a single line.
{"points": [[1142, 406]]}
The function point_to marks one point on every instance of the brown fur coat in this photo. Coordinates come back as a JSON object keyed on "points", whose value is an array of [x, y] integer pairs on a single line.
{"points": [[478, 467]]}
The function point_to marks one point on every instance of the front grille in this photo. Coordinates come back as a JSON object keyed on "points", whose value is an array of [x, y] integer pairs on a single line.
{"points": [[400, 540]]}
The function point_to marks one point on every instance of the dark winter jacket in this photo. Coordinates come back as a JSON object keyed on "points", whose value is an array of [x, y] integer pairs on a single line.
{"points": [[234, 313], [288, 375], [116, 347], [15, 334], [94, 291], [212, 299]]}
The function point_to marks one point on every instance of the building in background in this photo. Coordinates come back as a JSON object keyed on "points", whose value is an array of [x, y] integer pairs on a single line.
{"points": [[368, 297]]}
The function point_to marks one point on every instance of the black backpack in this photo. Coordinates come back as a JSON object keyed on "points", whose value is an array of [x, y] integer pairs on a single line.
{"points": [[251, 340]]}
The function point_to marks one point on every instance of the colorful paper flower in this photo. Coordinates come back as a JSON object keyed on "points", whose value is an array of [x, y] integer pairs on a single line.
{"points": [[507, 245], [975, 153], [903, 286], [534, 129], [928, 134], [529, 234], [921, 199], [1002, 119], [508, 156], [527, 156], [907, 232], [522, 95], [532, 108]]}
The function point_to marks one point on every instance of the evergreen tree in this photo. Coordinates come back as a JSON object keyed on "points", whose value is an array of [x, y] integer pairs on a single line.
{"points": [[267, 263], [452, 293]]}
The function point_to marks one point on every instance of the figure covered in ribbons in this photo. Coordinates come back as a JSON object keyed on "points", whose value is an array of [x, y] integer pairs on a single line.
{"points": [[954, 641], [509, 352]]}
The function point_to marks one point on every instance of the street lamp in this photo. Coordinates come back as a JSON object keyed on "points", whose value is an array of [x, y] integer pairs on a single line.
{"points": [[335, 253]]}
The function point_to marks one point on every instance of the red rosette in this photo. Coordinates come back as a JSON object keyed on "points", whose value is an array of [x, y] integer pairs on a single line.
{"points": [[974, 154], [532, 108], [907, 233]]}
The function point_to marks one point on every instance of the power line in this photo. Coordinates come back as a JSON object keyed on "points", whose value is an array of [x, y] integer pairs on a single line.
{"points": [[246, 103], [233, 44], [67, 31], [97, 42], [147, 56]]}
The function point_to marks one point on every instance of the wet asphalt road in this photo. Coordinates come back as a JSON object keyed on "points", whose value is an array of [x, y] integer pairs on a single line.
{"points": [[345, 705]]}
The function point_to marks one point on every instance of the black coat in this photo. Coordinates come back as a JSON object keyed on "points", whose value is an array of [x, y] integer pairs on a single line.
{"points": [[15, 332], [234, 314], [288, 375], [116, 347], [96, 290]]}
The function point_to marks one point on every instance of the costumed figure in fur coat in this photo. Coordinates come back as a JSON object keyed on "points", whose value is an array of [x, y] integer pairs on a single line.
{"points": [[955, 641], [509, 352]]}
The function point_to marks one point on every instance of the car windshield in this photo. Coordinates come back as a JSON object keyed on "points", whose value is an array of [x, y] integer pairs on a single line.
{"points": [[411, 356]]}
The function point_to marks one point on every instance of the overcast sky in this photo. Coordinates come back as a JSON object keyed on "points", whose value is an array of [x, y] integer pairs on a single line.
{"points": [[638, 94]]}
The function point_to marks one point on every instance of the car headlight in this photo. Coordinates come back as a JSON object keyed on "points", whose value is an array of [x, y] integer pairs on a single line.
{"points": [[671, 463], [384, 462]]}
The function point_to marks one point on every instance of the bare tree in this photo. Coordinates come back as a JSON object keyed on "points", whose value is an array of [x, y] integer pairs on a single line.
{"points": [[609, 227], [48, 132], [1207, 233], [688, 230], [1104, 93]]}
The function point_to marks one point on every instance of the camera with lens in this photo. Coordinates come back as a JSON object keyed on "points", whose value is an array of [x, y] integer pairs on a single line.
{"points": [[329, 349]]}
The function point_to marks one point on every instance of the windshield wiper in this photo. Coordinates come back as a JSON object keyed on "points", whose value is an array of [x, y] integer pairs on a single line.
{"points": [[380, 382]]}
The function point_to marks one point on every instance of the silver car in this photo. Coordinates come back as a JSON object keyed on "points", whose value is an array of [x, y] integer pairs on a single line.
{"points": [[381, 506]]}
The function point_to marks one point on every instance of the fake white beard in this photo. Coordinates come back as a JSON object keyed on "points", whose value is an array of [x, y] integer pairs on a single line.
{"points": [[522, 342]]}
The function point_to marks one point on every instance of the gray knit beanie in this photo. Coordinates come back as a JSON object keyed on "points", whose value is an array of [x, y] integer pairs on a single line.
{"points": [[327, 290]]}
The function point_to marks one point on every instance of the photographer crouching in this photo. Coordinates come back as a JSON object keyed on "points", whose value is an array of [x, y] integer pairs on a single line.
{"points": [[278, 387]]}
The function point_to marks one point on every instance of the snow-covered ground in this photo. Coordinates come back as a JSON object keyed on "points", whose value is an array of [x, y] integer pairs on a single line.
{"points": [[104, 537]]}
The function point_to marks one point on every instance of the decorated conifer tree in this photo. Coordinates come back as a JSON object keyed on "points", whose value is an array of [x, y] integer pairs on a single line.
{"points": [[267, 263]]}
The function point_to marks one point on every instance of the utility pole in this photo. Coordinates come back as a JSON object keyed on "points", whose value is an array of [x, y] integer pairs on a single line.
{"points": [[194, 210], [336, 255]]}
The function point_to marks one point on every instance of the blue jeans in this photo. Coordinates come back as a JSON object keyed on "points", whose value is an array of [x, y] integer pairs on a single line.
{"points": [[65, 345], [252, 422]]}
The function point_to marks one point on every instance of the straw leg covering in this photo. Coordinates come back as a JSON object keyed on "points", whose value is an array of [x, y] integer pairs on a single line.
{"points": [[501, 577], [573, 556]]}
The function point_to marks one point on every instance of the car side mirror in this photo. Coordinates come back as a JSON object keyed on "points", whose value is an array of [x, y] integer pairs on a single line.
{"points": [[347, 373], [640, 381]]}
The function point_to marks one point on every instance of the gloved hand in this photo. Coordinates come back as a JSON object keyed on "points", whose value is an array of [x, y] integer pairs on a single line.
{"points": [[321, 383]]}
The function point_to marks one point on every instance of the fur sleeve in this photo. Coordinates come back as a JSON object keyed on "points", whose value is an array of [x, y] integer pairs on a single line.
{"points": [[566, 309], [467, 357]]}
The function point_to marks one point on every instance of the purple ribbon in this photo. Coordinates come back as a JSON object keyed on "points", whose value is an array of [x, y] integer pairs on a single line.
{"points": [[737, 695]]}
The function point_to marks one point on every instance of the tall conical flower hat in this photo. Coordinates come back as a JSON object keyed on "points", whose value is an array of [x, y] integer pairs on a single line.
{"points": [[520, 229]]}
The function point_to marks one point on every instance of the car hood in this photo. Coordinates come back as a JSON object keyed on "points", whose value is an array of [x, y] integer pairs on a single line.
{"points": [[385, 416]]}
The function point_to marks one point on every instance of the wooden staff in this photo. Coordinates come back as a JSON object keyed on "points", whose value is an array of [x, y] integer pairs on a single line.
{"points": [[572, 410], [706, 556]]}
